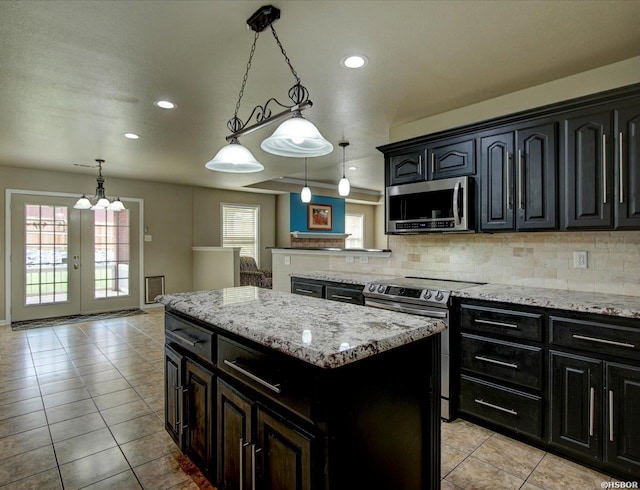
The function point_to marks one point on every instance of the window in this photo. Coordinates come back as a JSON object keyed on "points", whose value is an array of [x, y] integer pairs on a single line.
{"points": [[354, 225], [240, 229], [111, 242]]}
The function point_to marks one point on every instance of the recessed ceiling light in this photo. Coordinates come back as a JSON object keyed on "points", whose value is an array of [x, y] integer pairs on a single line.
{"points": [[165, 104], [353, 168], [355, 61], [131, 136]]}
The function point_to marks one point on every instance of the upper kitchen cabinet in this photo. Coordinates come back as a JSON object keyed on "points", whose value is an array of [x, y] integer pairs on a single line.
{"points": [[451, 158], [586, 151], [627, 170], [406, 166], [518, 179]]}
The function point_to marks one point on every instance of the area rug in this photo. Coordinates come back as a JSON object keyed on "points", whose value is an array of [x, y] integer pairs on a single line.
{"points": [[64, 320]]}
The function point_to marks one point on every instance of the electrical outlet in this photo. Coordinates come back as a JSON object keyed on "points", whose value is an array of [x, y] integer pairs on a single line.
{"points": [[580, 260], [287, 260], [364, 260], [349, 259]]}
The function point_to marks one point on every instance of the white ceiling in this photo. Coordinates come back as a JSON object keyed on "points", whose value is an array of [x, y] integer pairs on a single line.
{"points": [[76, 75]]}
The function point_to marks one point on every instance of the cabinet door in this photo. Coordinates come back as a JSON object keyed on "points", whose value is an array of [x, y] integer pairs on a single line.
{"points": [[536, 178], [283, 454], [448, 159], [406, 167], [199, 409], [628, 168], [173, 393], [234, 439], [623, 423], [588, 171], [576, 401], [497, 182]]}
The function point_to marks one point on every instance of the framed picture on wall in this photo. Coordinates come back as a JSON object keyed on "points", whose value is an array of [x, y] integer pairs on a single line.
{"points": [[319, 217]]}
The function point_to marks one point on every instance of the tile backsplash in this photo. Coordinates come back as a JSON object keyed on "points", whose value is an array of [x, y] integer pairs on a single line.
{"points": [[525, 259]]}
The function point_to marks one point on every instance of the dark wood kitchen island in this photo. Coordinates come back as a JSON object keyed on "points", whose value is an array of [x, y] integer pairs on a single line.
{"points": [[275, 391]]}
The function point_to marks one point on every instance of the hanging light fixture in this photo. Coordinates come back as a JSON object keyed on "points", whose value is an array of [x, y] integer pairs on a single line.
{"points": [[305, 195], [343, 186], [99, 200], [296, 137]]}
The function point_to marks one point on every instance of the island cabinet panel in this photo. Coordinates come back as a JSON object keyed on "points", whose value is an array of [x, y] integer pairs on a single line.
{"points": [[451, 158], [307, 288], [628, 167], [173, 393]]}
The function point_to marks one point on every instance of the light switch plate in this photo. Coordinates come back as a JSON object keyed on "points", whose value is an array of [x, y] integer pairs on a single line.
{"points": [[349, 259], [287, 260], [148, 238], [580, 259], [364, 260]]}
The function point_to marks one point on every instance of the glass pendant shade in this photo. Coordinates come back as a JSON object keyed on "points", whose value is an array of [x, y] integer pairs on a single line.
{"points": [[116, 205], [103, 203], [234, 158], [305, 195], [82, 203], [297, 137], [344, 187]]}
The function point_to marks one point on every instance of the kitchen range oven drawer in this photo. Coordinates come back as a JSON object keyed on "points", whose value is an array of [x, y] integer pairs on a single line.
{"points": [[515, 363], [284, 381], [346, 295], [601, 338], [502, 406], [307, 289], [192, 337], [516, 324]]}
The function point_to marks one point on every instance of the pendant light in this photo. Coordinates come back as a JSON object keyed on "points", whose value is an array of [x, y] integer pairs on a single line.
{"points": [[100, 199], [343, 186], [305, 195], [295, 137]]}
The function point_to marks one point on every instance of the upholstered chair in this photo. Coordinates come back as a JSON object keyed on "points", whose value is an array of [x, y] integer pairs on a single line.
{"points": [[250, 275]]}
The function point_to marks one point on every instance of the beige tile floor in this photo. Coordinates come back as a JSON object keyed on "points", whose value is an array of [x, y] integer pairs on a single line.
{"points": [[81, 406]]}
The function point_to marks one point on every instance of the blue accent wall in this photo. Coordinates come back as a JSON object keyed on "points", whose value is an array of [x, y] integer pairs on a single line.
{"points": [[298, 210]]}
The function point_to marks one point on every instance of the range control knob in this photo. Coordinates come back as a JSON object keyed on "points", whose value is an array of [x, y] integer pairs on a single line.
{"points": [[381, 288], [427, 294], [372, 287], [439, 296]]}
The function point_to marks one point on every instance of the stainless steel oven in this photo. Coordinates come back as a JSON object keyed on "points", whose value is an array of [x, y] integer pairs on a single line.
{"points": [[425, 297]]}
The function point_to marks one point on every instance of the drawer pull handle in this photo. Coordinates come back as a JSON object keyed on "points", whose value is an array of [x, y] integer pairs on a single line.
{"points": [[497, 324], [491, 405], [305, 291], [339, 296], [604, 341], [592, 402], [232, 364], [494, 361], [191, 342], [611, 415]]}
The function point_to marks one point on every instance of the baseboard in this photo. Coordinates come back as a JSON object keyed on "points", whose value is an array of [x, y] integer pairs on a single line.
{"points": [[4, 322], [152, 306]]}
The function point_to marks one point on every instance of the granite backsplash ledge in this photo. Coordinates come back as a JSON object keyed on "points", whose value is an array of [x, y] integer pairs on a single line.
{"points": [[541, 259]]}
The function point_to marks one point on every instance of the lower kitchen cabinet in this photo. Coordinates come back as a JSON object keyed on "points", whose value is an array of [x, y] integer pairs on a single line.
{"points": [[334, 291], [173, 393]]}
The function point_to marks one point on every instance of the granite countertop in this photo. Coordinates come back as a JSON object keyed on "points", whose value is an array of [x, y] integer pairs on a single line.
{"points": [[357, 278], [303, 327], [603, 304]]}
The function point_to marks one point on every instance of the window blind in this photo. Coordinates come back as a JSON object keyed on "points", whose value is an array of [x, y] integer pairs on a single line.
{"points": [[354, 225], [240, 229]]}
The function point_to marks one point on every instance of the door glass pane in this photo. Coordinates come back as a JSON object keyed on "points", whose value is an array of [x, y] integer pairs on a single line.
{"points": [[46, 244], [111, 244]]}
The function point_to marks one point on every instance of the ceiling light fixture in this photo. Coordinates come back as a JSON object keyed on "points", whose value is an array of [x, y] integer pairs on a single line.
{"points": [[131, 136], [355, 61], [99, 200], [353, 168], [343, 186], [305, 194], [164, 104], [295, 137]]}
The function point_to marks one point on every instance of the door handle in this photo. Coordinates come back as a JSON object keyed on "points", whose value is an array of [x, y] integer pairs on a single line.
{"points": [[520, 170], [592, 397], [508, 193], [611, 415], [620, 150], [604, 169], [76, 265]]}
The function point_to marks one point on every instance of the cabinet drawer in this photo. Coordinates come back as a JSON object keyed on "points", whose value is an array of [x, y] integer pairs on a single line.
{"points": [[190, 336], [508, 408], [286, 382], [515, 363], [346, 295], [602, 338], [497, 321], [307, 289]]}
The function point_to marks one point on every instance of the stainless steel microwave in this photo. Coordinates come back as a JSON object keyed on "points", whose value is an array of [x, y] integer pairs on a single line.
{"points": [[433, 206]]}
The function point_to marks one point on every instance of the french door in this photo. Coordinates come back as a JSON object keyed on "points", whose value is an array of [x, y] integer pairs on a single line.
{"points": [[65, 261]]}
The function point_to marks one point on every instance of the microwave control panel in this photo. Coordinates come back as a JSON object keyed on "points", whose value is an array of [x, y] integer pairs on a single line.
{"points": [[421, 225]]}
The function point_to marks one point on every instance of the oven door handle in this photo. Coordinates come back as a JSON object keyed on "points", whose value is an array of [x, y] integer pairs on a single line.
{"points": [[392, 305], [456, 209]]}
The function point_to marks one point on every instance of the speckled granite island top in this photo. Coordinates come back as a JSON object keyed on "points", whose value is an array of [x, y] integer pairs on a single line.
{"points": [[603, 304], [357, 278], [325, 333]]}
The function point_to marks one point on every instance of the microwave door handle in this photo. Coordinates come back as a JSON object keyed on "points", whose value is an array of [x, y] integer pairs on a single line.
{"points": [[456, 209]]}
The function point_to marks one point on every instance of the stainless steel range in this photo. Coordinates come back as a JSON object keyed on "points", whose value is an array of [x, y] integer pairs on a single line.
{"points": [[425, 297]]}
